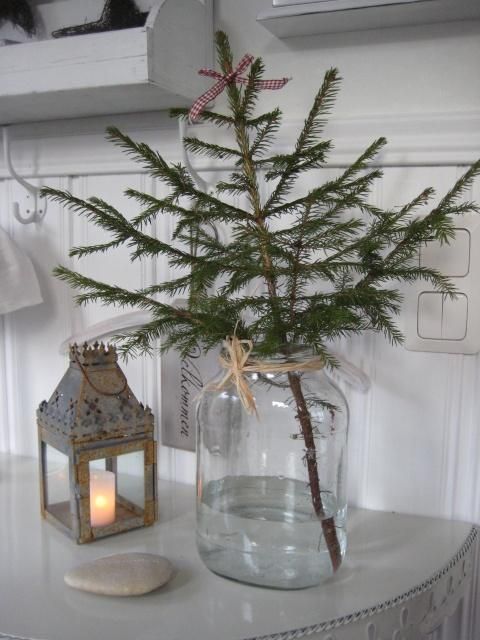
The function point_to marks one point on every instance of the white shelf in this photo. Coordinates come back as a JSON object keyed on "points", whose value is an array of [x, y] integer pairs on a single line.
{"points": [[141, 69], [336, 16], [403, 575]]}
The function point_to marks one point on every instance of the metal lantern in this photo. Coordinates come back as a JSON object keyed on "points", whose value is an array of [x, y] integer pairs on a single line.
{"points": [[97, 450]]}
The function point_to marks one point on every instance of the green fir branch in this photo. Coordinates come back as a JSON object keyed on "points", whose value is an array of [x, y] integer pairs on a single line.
{"points": [[308, 268], [214, 151]]}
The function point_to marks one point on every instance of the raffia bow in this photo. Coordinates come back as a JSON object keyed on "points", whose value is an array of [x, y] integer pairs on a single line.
{"points": [[237, 363]]}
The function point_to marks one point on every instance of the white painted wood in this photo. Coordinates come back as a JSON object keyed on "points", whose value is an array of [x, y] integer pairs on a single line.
{"points": [[139, 69], [65, 148], [343, 15], [181, 43], [403, 576], [4, 404], [5, 444]]}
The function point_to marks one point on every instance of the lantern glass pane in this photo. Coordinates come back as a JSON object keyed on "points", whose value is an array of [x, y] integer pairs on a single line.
{"points": [[117, 489], [98, 464], [57, 485], [131, 478]]}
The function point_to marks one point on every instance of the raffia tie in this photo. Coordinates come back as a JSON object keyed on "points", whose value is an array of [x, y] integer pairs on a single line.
{"points": [[237, 363]]}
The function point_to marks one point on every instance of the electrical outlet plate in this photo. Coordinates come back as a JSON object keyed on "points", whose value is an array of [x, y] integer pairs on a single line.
{"points": [[435, 322]]}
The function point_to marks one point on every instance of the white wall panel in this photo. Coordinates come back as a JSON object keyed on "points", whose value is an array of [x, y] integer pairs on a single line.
{"points": [[31, 356], [406, 70]]}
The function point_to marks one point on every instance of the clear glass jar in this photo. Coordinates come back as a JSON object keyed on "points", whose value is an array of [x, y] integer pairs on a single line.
{"points": [[271, 491]]}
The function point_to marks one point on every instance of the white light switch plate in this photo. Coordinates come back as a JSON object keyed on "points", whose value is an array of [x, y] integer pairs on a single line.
{"points": [[435, 322]]}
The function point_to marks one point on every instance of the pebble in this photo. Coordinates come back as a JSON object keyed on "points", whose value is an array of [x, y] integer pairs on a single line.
{"points": [[123, 574]]}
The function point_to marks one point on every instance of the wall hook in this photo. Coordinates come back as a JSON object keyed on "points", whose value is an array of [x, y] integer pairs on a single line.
{"points": [[199, 181], [38, 208]]}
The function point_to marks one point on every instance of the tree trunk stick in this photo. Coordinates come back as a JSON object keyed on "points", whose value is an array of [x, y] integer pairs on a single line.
{"points": [[328, 524]]}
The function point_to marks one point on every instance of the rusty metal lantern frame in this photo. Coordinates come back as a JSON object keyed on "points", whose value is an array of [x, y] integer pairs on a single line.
{"points": [[94, 415]]}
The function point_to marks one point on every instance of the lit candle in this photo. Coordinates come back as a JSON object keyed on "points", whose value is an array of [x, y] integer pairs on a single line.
{"points": [[102, 498]]}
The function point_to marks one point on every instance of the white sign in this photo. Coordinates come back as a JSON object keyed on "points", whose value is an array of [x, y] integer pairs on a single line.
{"points": [[182, 381]]}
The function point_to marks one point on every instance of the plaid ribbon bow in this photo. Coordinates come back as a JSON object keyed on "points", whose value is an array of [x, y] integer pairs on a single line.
{"points": [[223, 80]]}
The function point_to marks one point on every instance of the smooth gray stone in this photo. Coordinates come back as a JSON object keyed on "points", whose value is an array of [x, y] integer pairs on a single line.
{"points": [[123, 574]]}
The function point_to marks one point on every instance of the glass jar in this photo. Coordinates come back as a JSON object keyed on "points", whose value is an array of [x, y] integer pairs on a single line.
{"points": [[271, 490]]}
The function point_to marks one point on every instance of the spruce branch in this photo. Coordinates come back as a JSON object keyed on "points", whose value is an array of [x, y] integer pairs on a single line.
{"points": [[95, 291], [217, 119], [322, 104], [328, 243], [266, 131], [252, 89], [215, 151]]}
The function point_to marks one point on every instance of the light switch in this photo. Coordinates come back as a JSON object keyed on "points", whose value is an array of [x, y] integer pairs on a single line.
{"points": [[434, 322], [454, 317], [441, 317], [450, 259], [429, 318]]}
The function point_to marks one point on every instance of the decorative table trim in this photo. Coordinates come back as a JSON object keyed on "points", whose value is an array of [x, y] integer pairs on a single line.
{"points": [[335, 623]]}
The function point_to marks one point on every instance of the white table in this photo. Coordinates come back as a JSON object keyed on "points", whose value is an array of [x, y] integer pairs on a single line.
{"points": [[402, 577]]}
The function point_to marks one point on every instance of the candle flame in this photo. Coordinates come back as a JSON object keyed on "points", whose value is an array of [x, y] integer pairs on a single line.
{"points": [[101, 501]]}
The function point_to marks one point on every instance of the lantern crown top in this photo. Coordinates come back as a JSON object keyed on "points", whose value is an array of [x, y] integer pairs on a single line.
{"points": [[98, 353], [93, 401]]}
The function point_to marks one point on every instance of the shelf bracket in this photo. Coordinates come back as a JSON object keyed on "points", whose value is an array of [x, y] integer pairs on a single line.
{"points": [[38, 208]]}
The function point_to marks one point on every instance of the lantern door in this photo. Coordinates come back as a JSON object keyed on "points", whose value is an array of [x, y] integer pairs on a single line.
{"points": [[116, 488]]}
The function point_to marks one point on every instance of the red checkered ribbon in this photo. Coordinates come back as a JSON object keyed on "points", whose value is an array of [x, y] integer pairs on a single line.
{"points": [[223, 80]]}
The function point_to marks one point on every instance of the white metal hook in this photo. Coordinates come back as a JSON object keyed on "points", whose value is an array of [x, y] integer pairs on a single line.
{"points": [[199, 181], [38, 209]]}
